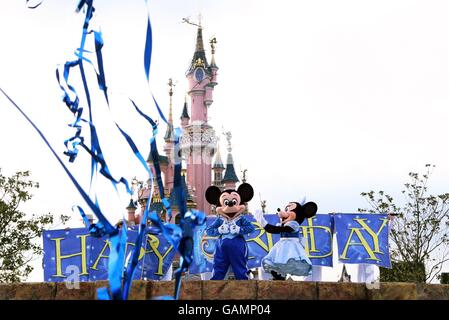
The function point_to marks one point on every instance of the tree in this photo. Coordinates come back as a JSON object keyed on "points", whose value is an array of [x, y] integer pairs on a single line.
{"points": [[18, 233], [419, 234]]}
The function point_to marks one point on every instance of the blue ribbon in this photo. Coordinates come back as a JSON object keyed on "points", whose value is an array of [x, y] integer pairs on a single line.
{"points": [[175, 235], [181, 237], [129, 274], [108, 228], [155, 156], [187, 222]]}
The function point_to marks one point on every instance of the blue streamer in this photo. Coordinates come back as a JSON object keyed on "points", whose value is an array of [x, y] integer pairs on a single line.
{"points": [[148, 48], [129, 274], [170, 231], [173, 233], [155, 156], [108, 228], [116, 262], [147, 60], [181, 235]]}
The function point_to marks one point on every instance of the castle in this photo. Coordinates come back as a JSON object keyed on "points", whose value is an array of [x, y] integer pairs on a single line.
{"points": [[198, 144]]}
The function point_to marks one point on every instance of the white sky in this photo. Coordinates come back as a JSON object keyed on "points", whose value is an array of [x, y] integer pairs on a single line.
{"points": [[324, 99]]}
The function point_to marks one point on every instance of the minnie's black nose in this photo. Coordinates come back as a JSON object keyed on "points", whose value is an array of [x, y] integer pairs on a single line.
{"points": [[279, 210]]}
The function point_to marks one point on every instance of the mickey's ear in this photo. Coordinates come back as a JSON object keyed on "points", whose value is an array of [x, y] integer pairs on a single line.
{"points": [[213, 195], [246, 192], [309, 209]]}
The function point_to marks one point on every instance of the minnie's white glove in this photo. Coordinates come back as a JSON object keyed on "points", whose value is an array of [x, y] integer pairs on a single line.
{"points": [[259, 216], [234, 228], [224, 228]]}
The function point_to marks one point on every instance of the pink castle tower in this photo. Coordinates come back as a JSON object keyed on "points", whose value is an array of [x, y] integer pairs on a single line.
{"points": [[198, 142]]}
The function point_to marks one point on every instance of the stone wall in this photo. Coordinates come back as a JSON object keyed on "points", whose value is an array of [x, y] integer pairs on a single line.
{"points": [[223, 290]]}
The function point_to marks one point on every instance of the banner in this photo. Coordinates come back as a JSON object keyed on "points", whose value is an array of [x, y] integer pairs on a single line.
{"points": [[259, 244], [318, 239], [74, 252], [363, 238], [317, 233]]}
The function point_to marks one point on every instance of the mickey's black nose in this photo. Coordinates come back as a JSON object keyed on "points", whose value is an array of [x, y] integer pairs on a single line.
{"points": [[230, 204], [279, 210]]}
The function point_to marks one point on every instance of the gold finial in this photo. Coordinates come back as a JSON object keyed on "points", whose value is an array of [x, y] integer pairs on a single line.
{"points": [[170, 93], [244, 175], [212, 43], [228, 135], [170, 85], [263, 203]]}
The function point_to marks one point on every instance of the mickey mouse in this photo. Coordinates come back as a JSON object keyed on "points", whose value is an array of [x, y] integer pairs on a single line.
{"points": [[288, 255], [230, 226]]}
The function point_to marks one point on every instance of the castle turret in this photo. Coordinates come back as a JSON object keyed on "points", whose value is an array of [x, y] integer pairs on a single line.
{"points": [[230, 177], [185, 118], [198, 140], [131, 208], [218, 169]]}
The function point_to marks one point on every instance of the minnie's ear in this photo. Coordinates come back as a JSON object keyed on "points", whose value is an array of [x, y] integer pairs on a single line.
{"points": [[246, 192], [309, 209], [213, 195]]}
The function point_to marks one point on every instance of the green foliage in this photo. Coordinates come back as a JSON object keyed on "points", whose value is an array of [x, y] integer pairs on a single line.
{"points": [[419, 237], [444, 278], [404, 272], [18, 232]]}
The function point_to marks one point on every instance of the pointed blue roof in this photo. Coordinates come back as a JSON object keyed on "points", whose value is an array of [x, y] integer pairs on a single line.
{"points": [[218, 164], [162, 159], [131, 205], [230, 175], [185, 113], [200, 54]]}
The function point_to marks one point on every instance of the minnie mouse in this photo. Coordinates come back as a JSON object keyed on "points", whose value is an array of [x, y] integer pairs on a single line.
{"points": [[288, 255], [230, 226]]}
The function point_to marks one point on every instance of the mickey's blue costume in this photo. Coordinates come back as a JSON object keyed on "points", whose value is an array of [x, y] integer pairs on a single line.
{"points": [[230, 227], [231, 249]]}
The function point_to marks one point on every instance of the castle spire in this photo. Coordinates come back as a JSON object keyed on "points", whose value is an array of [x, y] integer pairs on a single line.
{"points": [[218, 164], [185, 112], [169, 134], [199, 56], [230, 177]]}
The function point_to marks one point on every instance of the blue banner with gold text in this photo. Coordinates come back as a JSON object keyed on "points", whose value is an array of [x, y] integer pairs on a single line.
{"points": [[71, 251], [363, 238]]}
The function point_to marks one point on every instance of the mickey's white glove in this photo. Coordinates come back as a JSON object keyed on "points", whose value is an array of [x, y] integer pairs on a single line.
{"points": [[258, 215], [234, 228], [224, 228]]}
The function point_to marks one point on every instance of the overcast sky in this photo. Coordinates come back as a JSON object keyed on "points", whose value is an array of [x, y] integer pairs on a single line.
{"points": [[324, 99]]}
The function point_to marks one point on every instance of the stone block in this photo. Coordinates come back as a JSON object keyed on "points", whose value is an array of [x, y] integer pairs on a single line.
{"points": [[35, 291], [7, 291], [432, 291], [393, 291], [230, 290], [286, 290], [86, 291], [341, 291]]}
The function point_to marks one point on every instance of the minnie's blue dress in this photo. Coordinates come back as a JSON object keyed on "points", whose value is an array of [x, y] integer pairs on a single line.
{"points": [[288, 255]]}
